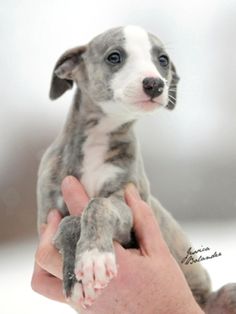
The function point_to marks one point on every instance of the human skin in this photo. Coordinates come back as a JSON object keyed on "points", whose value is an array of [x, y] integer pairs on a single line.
{"points": [[149, 279]]}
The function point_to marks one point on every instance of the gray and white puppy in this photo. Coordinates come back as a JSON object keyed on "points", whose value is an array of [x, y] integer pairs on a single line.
{"points": [[120, 75]]}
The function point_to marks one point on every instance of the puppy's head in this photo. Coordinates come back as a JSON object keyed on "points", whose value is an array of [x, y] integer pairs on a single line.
{"points": [[126, 71]]}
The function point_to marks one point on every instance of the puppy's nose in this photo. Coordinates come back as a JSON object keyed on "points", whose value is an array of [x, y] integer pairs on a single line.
{"points": [[153, 87]]}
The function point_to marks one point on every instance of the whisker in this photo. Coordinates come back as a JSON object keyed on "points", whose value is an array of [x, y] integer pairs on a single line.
{"points": [[172, 97], [173, 103]]}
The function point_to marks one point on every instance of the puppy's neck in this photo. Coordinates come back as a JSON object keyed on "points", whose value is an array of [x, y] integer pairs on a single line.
{"points": [[87, 117]]}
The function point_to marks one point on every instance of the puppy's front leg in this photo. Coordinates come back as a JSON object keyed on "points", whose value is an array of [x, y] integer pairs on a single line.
{"points": [[103, 220]]}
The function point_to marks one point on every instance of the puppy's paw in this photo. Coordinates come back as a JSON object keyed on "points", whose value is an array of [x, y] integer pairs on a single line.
{"points": [[93, 269], [96, 268]]}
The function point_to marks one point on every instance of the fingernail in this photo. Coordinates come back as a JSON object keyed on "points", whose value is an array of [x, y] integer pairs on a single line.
{"points": [[67, 181], [51, 215], [132, 190]]}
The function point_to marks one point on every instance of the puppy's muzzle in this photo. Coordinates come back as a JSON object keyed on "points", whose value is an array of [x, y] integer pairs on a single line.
{"points": [[153, 87]]}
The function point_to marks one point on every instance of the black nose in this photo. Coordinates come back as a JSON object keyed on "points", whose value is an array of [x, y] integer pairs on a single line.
{"points": [[153, 87]]}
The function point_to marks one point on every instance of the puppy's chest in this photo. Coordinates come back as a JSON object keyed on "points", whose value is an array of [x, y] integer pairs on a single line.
{"points": [[95, 170]]}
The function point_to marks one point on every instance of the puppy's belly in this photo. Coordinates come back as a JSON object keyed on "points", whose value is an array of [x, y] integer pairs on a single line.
{"points": [[94, 178]]}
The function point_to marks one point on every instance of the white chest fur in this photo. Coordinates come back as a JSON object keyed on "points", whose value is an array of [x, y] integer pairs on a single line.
{"points": [[95, 172]]}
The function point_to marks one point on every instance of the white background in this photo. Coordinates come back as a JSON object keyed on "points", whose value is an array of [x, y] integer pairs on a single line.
{"points": [[189, 153]]}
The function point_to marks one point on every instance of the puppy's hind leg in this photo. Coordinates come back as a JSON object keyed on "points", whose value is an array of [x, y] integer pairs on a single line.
{"points": [[178, 243], [65, 240], [222, 301]]}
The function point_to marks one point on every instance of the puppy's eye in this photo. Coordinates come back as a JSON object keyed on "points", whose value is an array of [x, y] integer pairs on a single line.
{"points": [[164, 61], [114, 58]]}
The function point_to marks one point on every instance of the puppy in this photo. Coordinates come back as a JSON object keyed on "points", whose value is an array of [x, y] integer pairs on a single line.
{"points": [[120, 76]]}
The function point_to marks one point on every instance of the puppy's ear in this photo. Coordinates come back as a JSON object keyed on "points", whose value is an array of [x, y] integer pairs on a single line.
{"points": [[63, 73], [173, 88]]}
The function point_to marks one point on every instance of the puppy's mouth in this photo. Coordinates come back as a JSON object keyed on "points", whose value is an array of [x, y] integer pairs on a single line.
{"points": [[148, 104]]}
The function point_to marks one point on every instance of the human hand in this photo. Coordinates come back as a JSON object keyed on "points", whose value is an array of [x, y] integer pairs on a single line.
{"points": [[149, 279], [47, 275]]}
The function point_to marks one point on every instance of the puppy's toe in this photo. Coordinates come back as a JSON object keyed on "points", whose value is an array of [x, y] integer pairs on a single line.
{"points": [[104, 270], [94, 269]]}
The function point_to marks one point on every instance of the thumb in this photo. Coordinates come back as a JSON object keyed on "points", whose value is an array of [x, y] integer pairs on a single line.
{"points": [[74, 195], [146, 227]]}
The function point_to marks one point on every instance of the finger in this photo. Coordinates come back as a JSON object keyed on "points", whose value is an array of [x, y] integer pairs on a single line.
{"points": [[47, 256], [121, 252], [146, 228], [47, 285], [74, 195]]}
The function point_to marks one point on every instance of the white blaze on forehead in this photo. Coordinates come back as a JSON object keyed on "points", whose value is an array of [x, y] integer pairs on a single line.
{"points": [[137, 41], [138, 48], [136, 33]]}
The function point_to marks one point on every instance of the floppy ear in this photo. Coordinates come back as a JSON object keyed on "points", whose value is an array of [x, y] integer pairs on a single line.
{"points": [[173, 88], [63, 73]]}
